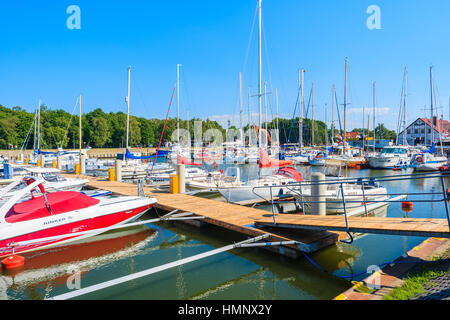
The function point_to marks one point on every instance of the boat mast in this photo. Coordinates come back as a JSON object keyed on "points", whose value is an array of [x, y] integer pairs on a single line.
{"points": [[374, 108], [79, 122], [404, 107], [127, 99], [332, 115], [259, 70], [249, 113], [368, 129], [432, 112], [312, 115], [35, 128], [276, 102], [265, 106], [326, 127], [344, 138], [363, 127], [300, 120], [178, 104], [39, 126], [240, 104]]}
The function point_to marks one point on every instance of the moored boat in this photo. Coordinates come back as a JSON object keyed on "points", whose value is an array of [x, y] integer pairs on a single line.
{"points": [[61, 217]]}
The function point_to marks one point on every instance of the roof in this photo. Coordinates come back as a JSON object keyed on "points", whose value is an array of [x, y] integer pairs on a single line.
{"points": [[351, 135], [444, 125]]}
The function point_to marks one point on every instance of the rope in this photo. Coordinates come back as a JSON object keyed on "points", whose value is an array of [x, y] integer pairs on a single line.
{"points": [[68, 126], [162, 133], [365, 272]]}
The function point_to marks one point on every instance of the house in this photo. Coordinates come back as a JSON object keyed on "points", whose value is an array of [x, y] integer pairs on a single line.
{"points": [[420, 132], [350, 136]]}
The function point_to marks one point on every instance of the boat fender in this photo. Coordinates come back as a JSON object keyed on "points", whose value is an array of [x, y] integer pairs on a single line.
{"points": [[407, 205], [13, 262]]}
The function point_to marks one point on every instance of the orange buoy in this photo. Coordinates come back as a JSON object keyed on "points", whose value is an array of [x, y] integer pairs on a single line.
{"points": [[13, 261], [407, 205]]}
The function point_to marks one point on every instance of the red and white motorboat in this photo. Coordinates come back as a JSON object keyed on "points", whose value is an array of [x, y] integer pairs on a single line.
{"points": [[61, 217]]}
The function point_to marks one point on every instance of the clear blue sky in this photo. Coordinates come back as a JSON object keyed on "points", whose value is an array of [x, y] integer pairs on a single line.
{"points": [[40, 58]]}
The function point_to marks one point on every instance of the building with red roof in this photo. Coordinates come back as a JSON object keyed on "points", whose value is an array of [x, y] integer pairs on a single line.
{"points": [[421, 131]]}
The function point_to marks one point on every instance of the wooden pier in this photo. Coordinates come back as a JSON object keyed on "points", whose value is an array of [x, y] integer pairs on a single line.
{"points": [[311, 232]]}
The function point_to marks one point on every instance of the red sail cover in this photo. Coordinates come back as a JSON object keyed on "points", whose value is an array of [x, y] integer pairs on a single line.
{"points": [[187, 162], [266, 162]]}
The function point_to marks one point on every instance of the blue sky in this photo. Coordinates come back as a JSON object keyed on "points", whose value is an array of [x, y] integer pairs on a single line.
{"points": [[41, 58]]}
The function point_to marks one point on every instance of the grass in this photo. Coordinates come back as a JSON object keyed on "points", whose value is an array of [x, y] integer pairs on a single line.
{"points": [[414, 282]]}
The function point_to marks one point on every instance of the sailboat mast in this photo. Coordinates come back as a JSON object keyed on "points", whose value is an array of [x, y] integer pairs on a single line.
{"points": [[259, 69], [79, 124], [249, 110], [432, 111], [326, 127], [35, 129], [332, 114], [363, 127], [368, 129], [265, 105], [374, 111], [240, 103], [276, 101], [128, 107], [178, 104], [312, 115], [39, 126], [300, 116], [344, 138], [404, 107]]}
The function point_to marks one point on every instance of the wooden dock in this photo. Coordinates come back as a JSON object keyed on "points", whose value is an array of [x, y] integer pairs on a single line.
{"points": [[312, 232]]}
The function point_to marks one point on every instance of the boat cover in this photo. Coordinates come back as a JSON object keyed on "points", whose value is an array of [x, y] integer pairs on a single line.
{"points": [[267, 162], [60, 202]]}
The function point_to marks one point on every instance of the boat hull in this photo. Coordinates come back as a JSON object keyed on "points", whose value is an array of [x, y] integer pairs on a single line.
{"points": [[88, 224]]}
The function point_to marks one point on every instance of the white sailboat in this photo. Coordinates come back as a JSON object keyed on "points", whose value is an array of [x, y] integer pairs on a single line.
{"points": [[427, 160]]}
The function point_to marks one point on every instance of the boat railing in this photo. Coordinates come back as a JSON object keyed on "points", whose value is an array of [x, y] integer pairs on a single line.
{"points": [[297, 191]]}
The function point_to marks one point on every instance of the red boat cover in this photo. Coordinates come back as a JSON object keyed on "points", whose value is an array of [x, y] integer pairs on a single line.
{"points": [[187, 162], [266, 162], [60, 202], [291, 173]]}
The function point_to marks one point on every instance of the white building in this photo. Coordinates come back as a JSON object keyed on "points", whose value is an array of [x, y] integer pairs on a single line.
{"points": [[420, 132]]}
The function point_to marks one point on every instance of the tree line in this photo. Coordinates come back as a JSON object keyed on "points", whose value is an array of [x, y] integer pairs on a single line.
{"points": [[99, 129], [108, 130]]}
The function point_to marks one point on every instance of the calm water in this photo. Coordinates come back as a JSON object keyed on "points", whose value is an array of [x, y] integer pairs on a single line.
{"points": [[235, 275]]}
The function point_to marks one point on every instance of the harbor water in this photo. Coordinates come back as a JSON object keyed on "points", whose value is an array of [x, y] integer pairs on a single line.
{"points": [[240, 274]]}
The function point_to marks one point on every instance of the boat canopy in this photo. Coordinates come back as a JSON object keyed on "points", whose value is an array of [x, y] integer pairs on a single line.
{"points": [[291, 173], [129, 155], [58, 202]]}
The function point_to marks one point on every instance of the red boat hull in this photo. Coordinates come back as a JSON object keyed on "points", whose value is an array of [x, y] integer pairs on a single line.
{"points": [[79, 226]]}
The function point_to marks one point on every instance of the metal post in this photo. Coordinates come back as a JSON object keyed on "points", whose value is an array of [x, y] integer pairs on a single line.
{"points": [[364, 199], [181, 172], [271, 201], [118, 165], [318, 193], [141, 192], [444, 191], [83, 164], [345, 215]]}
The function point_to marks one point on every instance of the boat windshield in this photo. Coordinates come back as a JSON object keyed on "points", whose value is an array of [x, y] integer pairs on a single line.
{"points": [[393, 150], [51, 177]]}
